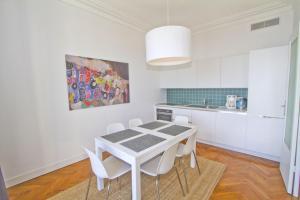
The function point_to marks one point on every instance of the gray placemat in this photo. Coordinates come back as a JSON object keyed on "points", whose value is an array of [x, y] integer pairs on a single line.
{"points": [[174, 130], [121, 135], [143, 142], [153, 125]]}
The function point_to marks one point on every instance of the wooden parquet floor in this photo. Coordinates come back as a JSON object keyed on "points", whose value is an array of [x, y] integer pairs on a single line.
{"points": [[246, 178]]}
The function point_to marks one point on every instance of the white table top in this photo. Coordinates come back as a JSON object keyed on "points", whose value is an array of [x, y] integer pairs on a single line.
{"points": [[135, 159], [128, 155]]}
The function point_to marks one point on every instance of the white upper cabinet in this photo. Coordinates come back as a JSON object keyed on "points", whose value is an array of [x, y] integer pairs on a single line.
{"points": [[187, 76], [268, 71], [227, 72], [234, 71], [209, 74], [167, 79], [179, 76]]}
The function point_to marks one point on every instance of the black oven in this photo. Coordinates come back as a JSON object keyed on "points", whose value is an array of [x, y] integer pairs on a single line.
{"points": [[164, 114]]}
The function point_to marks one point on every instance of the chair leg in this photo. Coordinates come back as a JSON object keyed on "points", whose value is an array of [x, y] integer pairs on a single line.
{"points": [[108, 189], [157, 187], [179, 181], [120, 184], [88, 188], [197, 162], [185, 179]]}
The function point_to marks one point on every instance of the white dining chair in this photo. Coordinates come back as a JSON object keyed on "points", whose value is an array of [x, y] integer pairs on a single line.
{"points": [[181, 120], [161, 165], [184, 150], [135, 122], [111, 168], [115, 127]]}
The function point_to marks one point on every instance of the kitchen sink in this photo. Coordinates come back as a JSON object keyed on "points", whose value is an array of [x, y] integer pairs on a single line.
{"points": [[197, 106], [203, 106], [212, 107]]}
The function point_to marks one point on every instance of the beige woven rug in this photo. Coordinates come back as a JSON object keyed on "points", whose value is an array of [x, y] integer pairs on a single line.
{"points": [[201, 187]]}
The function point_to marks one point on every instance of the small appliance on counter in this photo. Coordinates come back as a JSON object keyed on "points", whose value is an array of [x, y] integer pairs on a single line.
{"points": [[231, 101], [241, 103]]}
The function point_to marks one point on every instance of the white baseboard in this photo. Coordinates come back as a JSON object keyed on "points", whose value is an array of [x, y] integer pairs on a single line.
{"points": [[252, 153], [43, 170]]}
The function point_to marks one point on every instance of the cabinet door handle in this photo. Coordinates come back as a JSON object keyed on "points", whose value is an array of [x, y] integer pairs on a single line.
{"points": [[270, 117]]}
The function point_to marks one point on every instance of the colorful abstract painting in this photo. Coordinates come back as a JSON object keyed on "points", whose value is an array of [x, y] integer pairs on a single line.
{"points": [[94, 82]]}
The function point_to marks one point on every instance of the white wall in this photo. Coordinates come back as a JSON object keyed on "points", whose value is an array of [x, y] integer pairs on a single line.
{"points": [[230, 40], [238, 39], [38, 132]]}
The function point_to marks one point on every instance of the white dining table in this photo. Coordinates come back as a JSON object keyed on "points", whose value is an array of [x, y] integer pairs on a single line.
{"points": [[135, 159]]}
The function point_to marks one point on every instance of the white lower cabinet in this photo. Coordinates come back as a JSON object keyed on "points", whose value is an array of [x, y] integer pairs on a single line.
{"points": [[182, 112], [251, 134], [264, 135], [231, 129], [206, 123]]}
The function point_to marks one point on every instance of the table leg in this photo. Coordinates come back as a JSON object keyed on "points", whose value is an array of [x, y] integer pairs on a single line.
{"points": [[100, 181], [193, 161], [136, 181]]}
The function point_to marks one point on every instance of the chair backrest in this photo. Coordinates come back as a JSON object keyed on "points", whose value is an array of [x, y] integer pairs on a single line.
{"points": [[97, 165], [167, 160], [115, 127], [189, 145], [135, 122], [181, 120]]}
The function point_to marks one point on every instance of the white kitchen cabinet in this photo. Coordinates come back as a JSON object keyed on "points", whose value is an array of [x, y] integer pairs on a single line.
{"points": [[256, 135], [208, 73], [231, 129], [234, 71], [182, 112], [206, 123], [167, 79], [264, 135], [227, 72], [187, 76], [267, 84], [178, 76]]}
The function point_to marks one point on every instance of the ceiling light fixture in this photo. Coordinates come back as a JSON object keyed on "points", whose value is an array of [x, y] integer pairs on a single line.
{"points": [[168, 45]]}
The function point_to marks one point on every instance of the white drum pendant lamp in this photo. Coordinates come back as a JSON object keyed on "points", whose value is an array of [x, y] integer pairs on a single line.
{"points": [[168, 45]]}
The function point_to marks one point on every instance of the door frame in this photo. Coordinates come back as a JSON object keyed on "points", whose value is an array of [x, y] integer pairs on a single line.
{"points": [[293, 160], [296, 181]]}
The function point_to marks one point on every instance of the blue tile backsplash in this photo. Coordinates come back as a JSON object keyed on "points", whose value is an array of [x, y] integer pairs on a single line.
{"points": [[213, 96]]}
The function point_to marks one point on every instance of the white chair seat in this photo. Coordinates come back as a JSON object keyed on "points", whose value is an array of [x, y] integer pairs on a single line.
{"points": [[116, 167], [180, 150], [109, 168], [150, 167], [184, 150], [135, 122], [162, 164]]}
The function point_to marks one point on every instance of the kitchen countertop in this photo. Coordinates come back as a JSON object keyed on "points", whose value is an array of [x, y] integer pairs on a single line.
{"points": [[208, 108]]}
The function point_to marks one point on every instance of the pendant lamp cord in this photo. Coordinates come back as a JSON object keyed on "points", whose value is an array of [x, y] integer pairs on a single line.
{"points": [[168, 12]]}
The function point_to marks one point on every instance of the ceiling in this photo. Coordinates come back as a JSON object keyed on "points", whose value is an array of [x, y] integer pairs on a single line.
{"points": [[147, 14]]}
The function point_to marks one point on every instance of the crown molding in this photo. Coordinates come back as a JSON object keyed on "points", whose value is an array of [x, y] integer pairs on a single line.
{"points": [[104, 10], [264, 11]]}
